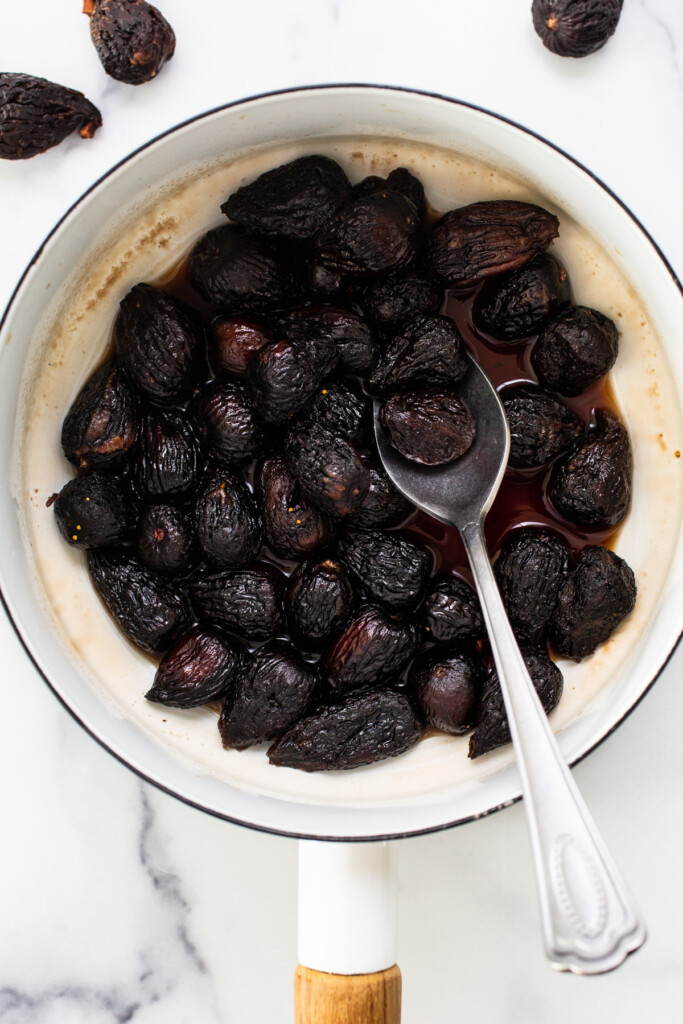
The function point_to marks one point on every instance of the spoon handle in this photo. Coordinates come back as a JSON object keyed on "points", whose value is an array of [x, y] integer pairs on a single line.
{"points": [[590, 921]]}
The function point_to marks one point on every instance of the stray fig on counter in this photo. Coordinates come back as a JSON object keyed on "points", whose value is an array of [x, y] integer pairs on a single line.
{"points": [[133, 39], [36, 115], [575, 28]]}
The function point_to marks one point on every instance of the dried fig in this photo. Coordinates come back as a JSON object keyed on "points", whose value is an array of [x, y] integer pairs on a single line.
{"points": [[165, 541], [200, 667], [232, 429], [293, 526], [372, 648], [233, 340], [329, 470], [226, 520], [446, 687], [318, 602], [36, 115], [240, 272], [575, 28], [247, 602], [284, 375], [517, 304], [169, 460], [99, 429], [541, 426], [350, 333], [133, 39], [452, 613], [427, 350], [574, 350], [428, 425], [531, 568], [392, 570], [371, 234], [95, 511]]}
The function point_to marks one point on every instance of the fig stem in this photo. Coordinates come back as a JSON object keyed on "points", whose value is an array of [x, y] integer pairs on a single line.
{"points": [[88, 7]]}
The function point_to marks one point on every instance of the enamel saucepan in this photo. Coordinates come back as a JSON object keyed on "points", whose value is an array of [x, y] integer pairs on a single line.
{"points": [[136, 224]]}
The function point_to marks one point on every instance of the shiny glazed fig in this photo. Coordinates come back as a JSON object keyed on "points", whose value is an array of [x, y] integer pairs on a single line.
{"points": [[383, 505], [168, 461], [36, 115], [452, 614], [132, 38], [247, 602], [373, 647], [150, 611], [165, 540], [95, 511], [391, 302], [329, 470], [431, 426], [446, 687], [350, 333], [291, 201], [531, 568], [232, 342], [574, 350], [427, 350], [318, 602], [159, 343], [284, 375], [99, 429], [341, 409], [473, 242], [233, 431], [599, 593], [293, 526], [519, 303], [200, 667], [371, 234], [399, 180], [272, 691], [360, 730], [392, 570], [541, 426], [226, 520], [575, 28]]}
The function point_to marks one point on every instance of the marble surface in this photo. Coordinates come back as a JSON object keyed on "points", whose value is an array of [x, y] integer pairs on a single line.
{"points": [[120, 904]]}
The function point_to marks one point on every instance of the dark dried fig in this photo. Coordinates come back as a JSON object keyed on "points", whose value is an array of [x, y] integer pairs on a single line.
{"points": [[322, 282], [492, 729], [272, 691], [532, 566], [575, 349], [389, 303], [592, 485], [341, 409], [160, 343], [541, 426], [373, 648], [292, 201], [452, 613], [575, 28], [247, 602], [233, 340], [200, 667], [362, 729], [100, 427], [597, 596], [392, 570], [446, 687], [166, 541], [232, 429], [95, 511], [240, 272], [383, 505], [469, 244], [318, 602], [427, 350], [293, 526], [428, 425], [226, 520], [284, 375], [169, 456], [370, 234], [329, 470], [398, 180], [517, 304], [133, 39], [36, 114], [352, 336], [149, 610]]}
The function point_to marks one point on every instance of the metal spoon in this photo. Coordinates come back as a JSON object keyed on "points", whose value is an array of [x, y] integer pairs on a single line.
{"points": [[590, 921]]}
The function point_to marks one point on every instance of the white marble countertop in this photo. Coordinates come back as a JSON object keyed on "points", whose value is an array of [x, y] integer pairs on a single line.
{"points": [[120, 904]]}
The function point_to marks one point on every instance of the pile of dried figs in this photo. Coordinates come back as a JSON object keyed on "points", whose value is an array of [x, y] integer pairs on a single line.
{"points": [[237, 521]]}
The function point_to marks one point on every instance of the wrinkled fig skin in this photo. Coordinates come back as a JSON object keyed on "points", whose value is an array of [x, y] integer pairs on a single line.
{"points": [[599, 594], [541, 427], [517, 304], [472, 243], [293, 526], [95, 511], [292, 201], [133, 39], [532, 567], [36, 115], [329, 470], [272, 691], [240, 272], [399, 180], [284, 375], [232, 342], [149, 610], [574, 350], [575, 28], [99, 429], [492, 728], [318, 602], [341, 409], [383, 505], [226, 520], [353, 337], [371, 234], [446, 688], [388, 304], [233, 431], [373, 648], [392, 570], [360, 730], [592, 485], [246, 602], [200, 667], [160, 343], [427, 350], [165, 541], [168, 460], [322, 282], [428, 425], [452, 614]]}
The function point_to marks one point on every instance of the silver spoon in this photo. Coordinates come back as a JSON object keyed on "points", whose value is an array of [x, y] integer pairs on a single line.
{"points": [[590, 921]]}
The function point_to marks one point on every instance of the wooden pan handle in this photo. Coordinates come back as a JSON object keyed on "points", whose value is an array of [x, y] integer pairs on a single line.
{"points": [[321, 998]]}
